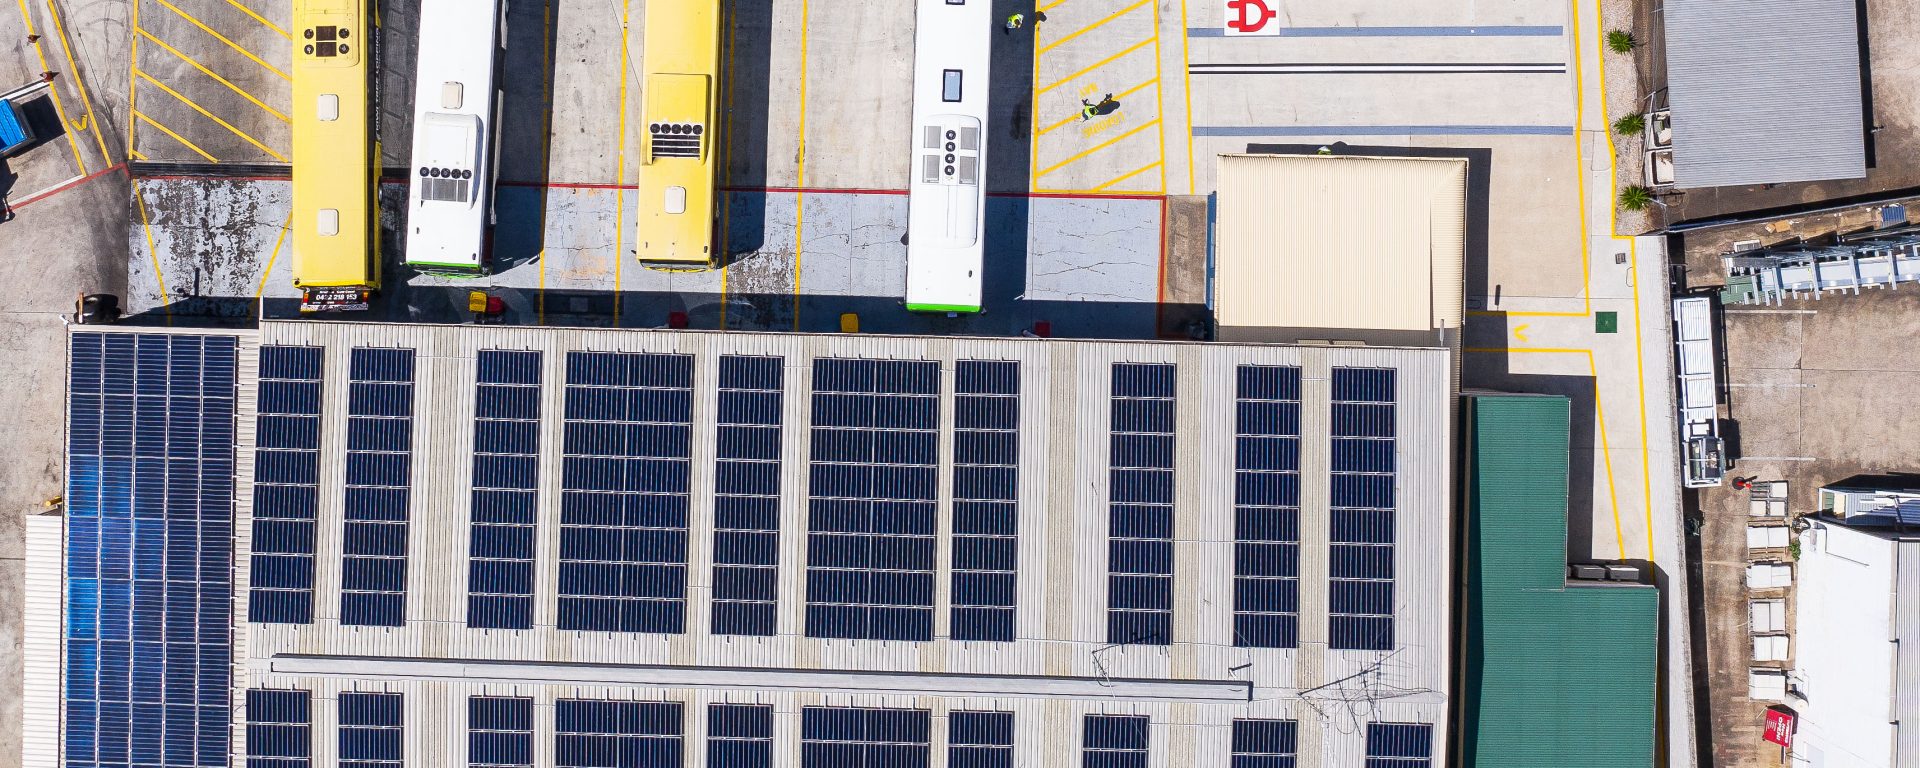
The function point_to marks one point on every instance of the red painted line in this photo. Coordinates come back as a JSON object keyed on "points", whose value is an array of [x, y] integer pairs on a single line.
{"points": [[566, 185], [39, 196], [777, 190], [818, 190], [1160, 295], [1075, 196]]}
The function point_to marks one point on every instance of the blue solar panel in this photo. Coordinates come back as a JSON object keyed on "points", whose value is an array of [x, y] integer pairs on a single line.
{"points": [[616, 734], [623, 512], [373, 575], [1266, 587], [1140, 505], [371, 733], [506, 448], [979, 739], [746, 495], [856, 737], [285, 485], [279, 729], [150, 446], [985, 478], [870, 543], [1114, 741], [1361, 488], [1399, 745], [1263, 744], [499, 731], [739, 736]]}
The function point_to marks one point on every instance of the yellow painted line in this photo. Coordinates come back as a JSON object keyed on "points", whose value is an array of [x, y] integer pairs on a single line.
{"points": [[800, 172], [1100, 192], [1098, 147], [1096, 65], [177, 137], [135, 154], [211, 116], [1049, 129], [1519, 331], [1033, 142], [78, 161], [66, 47], [1136, 89], [133, 61], [1051, 6], [210, 73], [1160, 99], [265, 273], [1084, 30], [262, 19], [1186, 80], [1600, 418], [223, 38], [1076, 116], [546, 141], [726, 170], [140, 201], [1128, 175], [620, 165]]}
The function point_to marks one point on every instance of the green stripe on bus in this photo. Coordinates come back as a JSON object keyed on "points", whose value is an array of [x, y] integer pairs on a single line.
{"points": [[942, 308]]}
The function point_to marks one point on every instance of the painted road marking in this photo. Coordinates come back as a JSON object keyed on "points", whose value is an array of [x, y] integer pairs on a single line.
{"points": [[217, 78], [1096, 25], [216, 118], [176, 137], [223, 38]]}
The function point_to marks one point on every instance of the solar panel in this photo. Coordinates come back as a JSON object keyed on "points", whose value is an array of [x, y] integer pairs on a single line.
{"points": [[379, 483], [870, 540], [149, 530], [740, 736], [1399, 745], [1140, 506], [980, 739], [1361, 497], [1114, 741], [499, 731], [985, 502], [1264, 744], [506, 455], [596, 734], [370, 730], [1266, 571], [623, 510], [746, 495], [279, 728], [860, 737], [285, 485]]}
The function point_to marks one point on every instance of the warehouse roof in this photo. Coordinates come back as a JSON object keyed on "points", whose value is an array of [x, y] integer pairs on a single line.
{"points": [[1309, 246], [1556, 672], [1764, 91]]}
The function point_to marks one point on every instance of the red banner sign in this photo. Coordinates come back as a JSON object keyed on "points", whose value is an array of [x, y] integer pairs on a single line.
{"points": [[1780, 724]]}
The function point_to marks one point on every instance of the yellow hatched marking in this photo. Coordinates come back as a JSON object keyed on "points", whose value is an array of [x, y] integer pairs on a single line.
{"points": [[176, 137], [136, 154], [1117, 97], [223, 38], [1094, 66], [1097, 147], [1128, 175], [78, 161], [80, 83], [210, 73], [1084, 30], [211, 116], [262, 19]]}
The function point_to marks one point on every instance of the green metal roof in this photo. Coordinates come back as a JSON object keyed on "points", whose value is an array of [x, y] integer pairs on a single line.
{"points": [[1553, 674]]}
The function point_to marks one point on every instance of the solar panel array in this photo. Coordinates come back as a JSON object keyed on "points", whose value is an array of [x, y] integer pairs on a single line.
{"points": [[740, 736], [370, 730], [986, 455], [870, 514], [1399, 745], [1266, 507], [506, 468], [616, 734], [379, 487], [858, 737], [746, 495], [979, 739], [1360, 569], [286, 477], [149, 531], [279, 729], [499, 732], [1114, 741], [1264, 744], [1140, 505], [623, 514]]}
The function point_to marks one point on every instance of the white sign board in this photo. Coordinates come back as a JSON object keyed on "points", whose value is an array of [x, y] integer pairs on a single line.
{"points": [[1252, 17]]}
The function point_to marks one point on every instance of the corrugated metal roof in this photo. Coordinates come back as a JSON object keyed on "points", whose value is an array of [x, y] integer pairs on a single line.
{"points": [[1764, 91], [1339, 242], [1554, 674]]}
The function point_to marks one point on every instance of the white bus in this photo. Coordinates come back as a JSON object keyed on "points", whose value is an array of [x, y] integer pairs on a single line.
{"points": [[946, 200], [455, 121]]}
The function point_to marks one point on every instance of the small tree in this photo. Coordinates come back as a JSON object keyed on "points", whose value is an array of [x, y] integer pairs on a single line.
{"points": [[1621, 41], [1636, 198], [1631, 125]]}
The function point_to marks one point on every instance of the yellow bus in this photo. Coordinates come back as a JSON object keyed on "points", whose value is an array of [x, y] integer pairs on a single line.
{"points": [[680, 66], [335, 225]]}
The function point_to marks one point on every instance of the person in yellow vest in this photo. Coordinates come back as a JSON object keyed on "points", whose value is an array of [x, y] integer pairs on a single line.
{"points": [[1013, 23]]}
